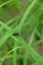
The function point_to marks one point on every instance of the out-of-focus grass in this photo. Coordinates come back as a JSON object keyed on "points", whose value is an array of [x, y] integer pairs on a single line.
{"points": [[27, 24]]}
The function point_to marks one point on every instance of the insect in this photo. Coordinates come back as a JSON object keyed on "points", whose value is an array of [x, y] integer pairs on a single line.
{"points": [[15, 34]]}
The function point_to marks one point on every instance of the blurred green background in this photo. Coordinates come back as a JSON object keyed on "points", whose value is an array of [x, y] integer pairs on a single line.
{"points": [[21, 32]]}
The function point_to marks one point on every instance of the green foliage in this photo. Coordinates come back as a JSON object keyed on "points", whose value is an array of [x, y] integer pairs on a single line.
{"points": [[19, 30], [40, 1]]}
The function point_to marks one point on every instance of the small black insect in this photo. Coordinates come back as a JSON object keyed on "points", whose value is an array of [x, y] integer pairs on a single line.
{"points": [[38, 38], [15, 34]]}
